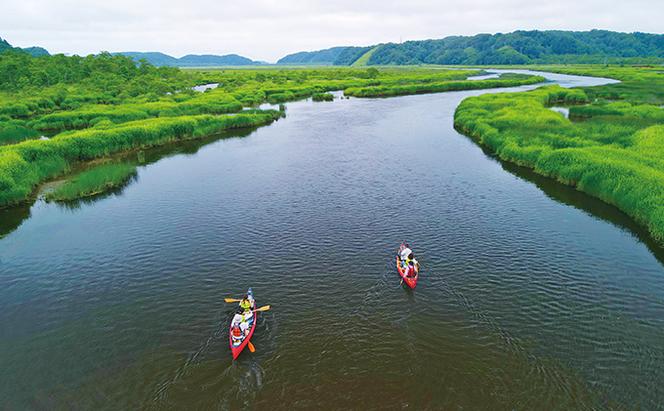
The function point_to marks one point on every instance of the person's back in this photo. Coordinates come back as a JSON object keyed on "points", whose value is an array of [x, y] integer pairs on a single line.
{"points": [[405, 253], [411, 269]]}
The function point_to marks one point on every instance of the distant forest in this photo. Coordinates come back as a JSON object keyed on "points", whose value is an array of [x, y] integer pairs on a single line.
{"points": [[519, 47], [33, 51]]}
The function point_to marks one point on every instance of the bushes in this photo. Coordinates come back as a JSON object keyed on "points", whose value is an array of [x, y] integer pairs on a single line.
{"points": [[615, 154]]}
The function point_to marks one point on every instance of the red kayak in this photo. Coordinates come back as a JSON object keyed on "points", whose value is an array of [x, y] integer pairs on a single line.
{"points": [[409, 274], [238, 343]]}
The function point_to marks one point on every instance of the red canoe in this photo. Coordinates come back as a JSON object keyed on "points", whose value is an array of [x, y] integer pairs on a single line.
{"points": [[409, 275], [238, 345]]}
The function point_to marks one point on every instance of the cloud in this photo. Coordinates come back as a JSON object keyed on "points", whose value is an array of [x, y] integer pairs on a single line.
{"points": [[268, 29]]}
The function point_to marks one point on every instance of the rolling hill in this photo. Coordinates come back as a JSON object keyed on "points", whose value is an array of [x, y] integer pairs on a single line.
{"points": [[190, 60], [34, 51], [519, 47]]}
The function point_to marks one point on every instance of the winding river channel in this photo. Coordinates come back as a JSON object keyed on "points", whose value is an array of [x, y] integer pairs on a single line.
{"points": [[531, 296]]}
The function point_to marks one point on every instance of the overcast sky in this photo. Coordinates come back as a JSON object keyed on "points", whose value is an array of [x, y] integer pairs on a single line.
{"points": [[269, 29]]}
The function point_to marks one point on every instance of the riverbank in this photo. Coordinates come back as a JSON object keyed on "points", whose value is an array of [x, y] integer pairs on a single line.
{"points": [[504, 80], [108, 104], [23, 166], [117, 298], [612, 147], [93, 182]]}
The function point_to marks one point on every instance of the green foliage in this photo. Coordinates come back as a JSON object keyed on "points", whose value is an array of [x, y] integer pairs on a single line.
{"points": [[364, 58], [24, 165], [96, 106], [616, 153], [322, 97], [524, 47], [14, 131], [642, 84], [320, 57], [437, 87], [93, 182], [350, 55]]}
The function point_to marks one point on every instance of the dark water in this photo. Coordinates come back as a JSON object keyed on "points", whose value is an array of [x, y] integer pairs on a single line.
{"points": [[531, 296]]}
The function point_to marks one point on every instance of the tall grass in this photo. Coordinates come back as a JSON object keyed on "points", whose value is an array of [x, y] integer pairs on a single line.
{"points": [[24, 165], [93, 182], [437, 87], [322, 97], [616, 153]]}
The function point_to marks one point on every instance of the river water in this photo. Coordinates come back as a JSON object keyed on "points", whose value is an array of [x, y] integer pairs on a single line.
{"points": [[531, 296]]}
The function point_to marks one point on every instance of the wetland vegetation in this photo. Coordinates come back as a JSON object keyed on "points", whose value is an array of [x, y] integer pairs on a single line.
{"points": [[612, 147], [96, 106], [93, 182]]}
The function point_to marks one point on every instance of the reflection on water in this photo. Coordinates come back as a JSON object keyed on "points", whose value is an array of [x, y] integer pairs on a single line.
{"points": [[12, 217]]}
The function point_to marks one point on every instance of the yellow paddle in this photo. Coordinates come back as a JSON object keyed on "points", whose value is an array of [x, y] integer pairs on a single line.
{"points": [[251, 347], [263, 308], [232, 300]]}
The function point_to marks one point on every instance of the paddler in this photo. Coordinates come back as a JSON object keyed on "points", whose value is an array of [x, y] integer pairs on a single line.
{"points": [[236, 331], [246, 308], [404, 254], [246, 304], [240, 325]]}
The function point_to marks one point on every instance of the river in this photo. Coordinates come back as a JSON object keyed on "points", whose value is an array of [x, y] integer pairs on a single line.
{"points": [[531, 296]]}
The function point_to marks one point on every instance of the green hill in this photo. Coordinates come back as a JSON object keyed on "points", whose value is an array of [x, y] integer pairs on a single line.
{"points": [[190, 60], [523, 47], [36, 51], [335, 56], [519, 47], [155, 58], [319, 57], [33, 51], [364, 59]]}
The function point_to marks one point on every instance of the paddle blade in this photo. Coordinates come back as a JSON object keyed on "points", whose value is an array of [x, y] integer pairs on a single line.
{"points": [[251, 347], [263, 308], [232, 300]]}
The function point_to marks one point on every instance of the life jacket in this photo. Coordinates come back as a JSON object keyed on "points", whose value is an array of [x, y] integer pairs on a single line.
{"points": [[245, 305], [236, 332]]}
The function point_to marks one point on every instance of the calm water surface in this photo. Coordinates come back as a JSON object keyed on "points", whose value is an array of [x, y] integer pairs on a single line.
{"points": [[532, 295]]}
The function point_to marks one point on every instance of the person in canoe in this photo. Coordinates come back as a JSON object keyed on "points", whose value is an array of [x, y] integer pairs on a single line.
{"points": [[246, 304], [404, 253], [240, 327], [408, 261]]}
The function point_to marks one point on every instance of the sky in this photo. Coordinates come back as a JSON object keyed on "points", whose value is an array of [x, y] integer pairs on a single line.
{"points": [[269, 29]]}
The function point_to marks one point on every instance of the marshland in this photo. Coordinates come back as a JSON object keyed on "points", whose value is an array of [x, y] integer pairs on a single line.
{"points": [[540, 236]]}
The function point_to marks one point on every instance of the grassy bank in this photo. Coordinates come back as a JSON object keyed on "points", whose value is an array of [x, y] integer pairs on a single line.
{"points": [[96, 106], [322, 97], [23, 166], [616, 153], [638, 85], [93, 182], [505, 80]]}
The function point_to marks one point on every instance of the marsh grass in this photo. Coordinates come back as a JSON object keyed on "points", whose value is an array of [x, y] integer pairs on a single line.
{"points": [[93, 182], [322, 97], [390, 90], [615, 154]]}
